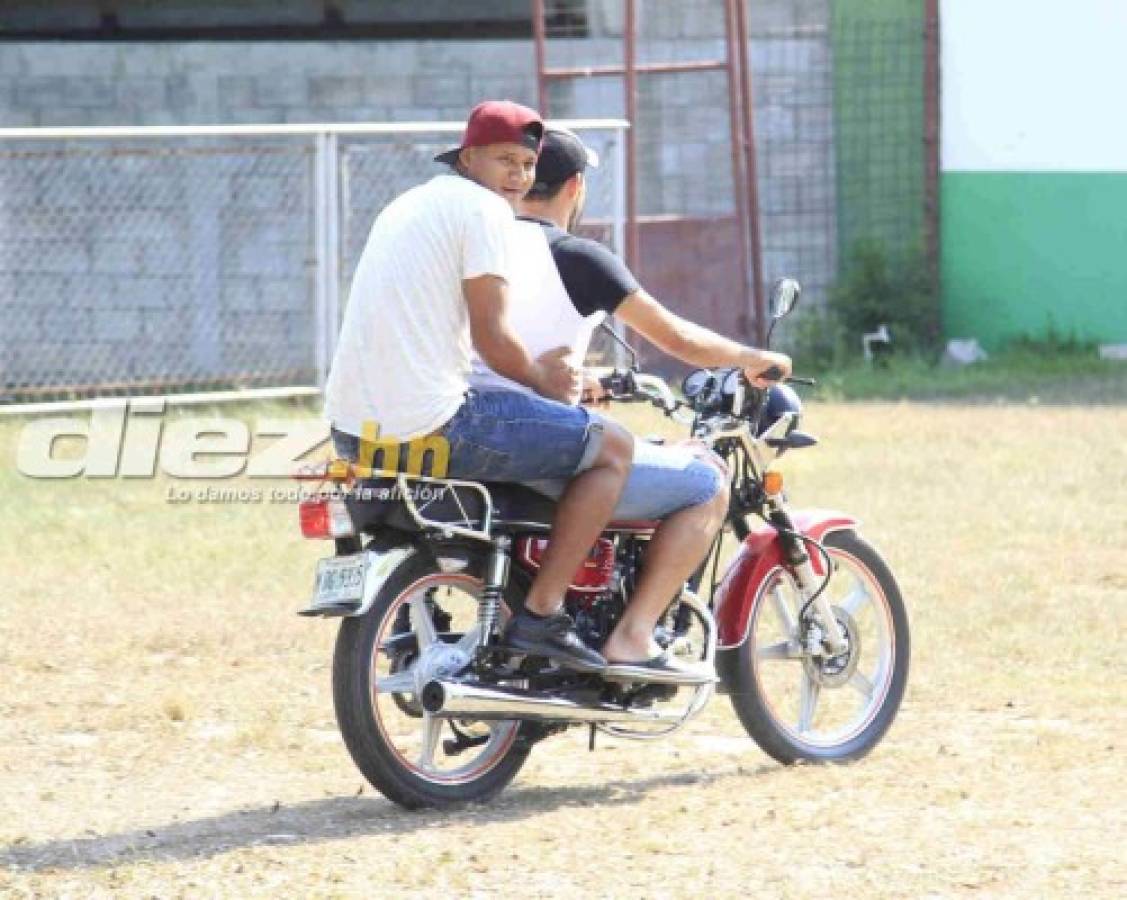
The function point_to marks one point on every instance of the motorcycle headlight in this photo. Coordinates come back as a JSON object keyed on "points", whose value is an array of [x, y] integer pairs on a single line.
{"points": [[780, 399]]}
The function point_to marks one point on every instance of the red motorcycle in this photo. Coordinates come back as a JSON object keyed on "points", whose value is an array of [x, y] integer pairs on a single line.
{"points": [[806, 627]]}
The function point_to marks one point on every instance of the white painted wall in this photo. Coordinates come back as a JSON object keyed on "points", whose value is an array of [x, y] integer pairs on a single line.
{"points": [[1034, 85]]}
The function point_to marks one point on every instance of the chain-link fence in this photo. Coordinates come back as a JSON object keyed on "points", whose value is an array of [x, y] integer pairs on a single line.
{"points": [[140, 261], [149, 265], [879, 116]]}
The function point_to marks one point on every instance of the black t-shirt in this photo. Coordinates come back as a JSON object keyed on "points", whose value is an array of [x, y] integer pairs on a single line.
{"points": [[595, 279]]}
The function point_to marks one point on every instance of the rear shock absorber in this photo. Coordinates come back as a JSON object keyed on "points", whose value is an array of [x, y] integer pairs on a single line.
{"points": [[496, 577]]}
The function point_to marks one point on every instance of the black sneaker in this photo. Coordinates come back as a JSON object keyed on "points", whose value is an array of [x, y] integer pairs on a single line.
{"points": [[554, 637]]}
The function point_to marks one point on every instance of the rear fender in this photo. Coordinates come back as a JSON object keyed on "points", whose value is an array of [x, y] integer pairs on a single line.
{"points": [[758, 557], [379, 565]]}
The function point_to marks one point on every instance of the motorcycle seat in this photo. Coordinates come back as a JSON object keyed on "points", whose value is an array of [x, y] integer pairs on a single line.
{"points": [[378, 502]]}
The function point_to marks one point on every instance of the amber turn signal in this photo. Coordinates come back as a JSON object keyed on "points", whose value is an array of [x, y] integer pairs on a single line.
{"points": [[773, 483]]}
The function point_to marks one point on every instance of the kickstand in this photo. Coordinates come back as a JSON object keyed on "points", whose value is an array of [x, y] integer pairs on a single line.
{"points": [[591, 740]]}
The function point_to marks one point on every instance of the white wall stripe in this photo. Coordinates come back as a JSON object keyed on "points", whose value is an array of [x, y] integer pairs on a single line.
{"points": [[1034, 85]]}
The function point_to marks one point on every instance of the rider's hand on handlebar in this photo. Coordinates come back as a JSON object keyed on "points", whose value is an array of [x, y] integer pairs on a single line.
{"points": [[768, 368], [555, 377]]}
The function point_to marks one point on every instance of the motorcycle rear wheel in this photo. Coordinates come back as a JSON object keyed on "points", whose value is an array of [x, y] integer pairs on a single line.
{"points": [[402, 751], [799, 707]]}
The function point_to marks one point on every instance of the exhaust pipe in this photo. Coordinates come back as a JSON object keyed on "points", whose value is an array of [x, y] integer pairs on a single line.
{"points": [[455, 700]]}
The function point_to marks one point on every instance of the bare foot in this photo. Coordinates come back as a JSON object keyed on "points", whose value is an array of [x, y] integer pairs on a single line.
{"points": [[617, 650]]}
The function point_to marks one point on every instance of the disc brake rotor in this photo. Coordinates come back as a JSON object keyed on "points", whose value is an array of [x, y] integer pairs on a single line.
{"points": [[834, 671]]}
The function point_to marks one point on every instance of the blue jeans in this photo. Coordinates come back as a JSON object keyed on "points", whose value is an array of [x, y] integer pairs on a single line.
{"points": [[513, 436], [662, 481], [501, 435]]}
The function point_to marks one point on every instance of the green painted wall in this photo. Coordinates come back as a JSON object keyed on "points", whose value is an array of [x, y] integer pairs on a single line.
{"points": [[878, 51], [1023, 253]]}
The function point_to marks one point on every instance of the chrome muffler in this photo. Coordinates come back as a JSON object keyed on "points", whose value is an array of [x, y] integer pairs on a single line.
{"points": [[457, 700]]}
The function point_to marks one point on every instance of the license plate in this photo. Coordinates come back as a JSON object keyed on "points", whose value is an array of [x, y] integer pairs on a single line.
{"points": [[340, 579]]}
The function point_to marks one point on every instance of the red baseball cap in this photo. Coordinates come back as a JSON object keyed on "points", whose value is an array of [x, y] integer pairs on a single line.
{"points": [[498, 122]]}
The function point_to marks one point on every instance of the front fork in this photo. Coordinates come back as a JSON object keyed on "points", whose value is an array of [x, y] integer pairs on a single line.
{"points": [[807, 580]]}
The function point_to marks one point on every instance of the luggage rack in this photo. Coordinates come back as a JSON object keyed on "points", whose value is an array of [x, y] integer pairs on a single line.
{"points": [[448, 530], [345, 472]]}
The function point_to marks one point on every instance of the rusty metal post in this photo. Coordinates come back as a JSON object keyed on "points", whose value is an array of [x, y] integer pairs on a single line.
{"points": [[751, 172], [931, 138], [633, 254], [539, 37], [742, 137], [735, 128]]}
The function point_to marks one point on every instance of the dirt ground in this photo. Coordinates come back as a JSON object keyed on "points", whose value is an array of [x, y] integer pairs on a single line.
{"points": [[166, 725]]}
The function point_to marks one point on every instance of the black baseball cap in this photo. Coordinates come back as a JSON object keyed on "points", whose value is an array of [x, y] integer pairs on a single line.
{"points": [[562, 154]]}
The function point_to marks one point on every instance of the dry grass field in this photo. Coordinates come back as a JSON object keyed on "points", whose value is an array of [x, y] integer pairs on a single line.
{"points": [[166, 726]]}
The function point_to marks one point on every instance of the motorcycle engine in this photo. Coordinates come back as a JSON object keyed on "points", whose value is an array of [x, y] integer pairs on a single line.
{"points": [[593, 576]]}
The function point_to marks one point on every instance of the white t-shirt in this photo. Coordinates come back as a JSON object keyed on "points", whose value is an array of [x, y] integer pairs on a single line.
{"points": [[403, 356], [540, 310]]}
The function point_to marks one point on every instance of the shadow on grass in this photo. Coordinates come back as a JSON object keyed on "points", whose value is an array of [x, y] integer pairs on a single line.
{"points": [[315, 821]]}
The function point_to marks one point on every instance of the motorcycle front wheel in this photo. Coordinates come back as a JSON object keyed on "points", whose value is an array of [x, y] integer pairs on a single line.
{"points": [[803, 705], [422, 625]]}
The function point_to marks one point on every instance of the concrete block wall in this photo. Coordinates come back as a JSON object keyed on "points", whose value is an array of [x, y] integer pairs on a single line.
{"points": [[107, 83]]}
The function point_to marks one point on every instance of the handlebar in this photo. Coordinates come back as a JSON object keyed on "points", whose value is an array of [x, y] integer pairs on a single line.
{"points": [[634, 387], [775, 374], [628, 386], [659, 391], [622, 385], [619, 385]]}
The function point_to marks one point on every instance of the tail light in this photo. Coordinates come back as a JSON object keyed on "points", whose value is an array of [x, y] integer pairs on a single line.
{"points": [[325, 517]]}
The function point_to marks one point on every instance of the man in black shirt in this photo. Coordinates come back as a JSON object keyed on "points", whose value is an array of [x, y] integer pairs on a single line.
{"points": [[595, 280]]}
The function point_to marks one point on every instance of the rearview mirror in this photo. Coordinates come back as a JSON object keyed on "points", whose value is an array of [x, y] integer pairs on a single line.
{"points": [[784, 297]]}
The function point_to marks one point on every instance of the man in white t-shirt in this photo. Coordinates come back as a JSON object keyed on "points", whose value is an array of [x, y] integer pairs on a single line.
{"points": [[431, 283], [565, 286]]}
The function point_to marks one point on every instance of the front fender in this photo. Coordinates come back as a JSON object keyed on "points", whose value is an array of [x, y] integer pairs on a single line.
{"points": [[757, 558]]}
